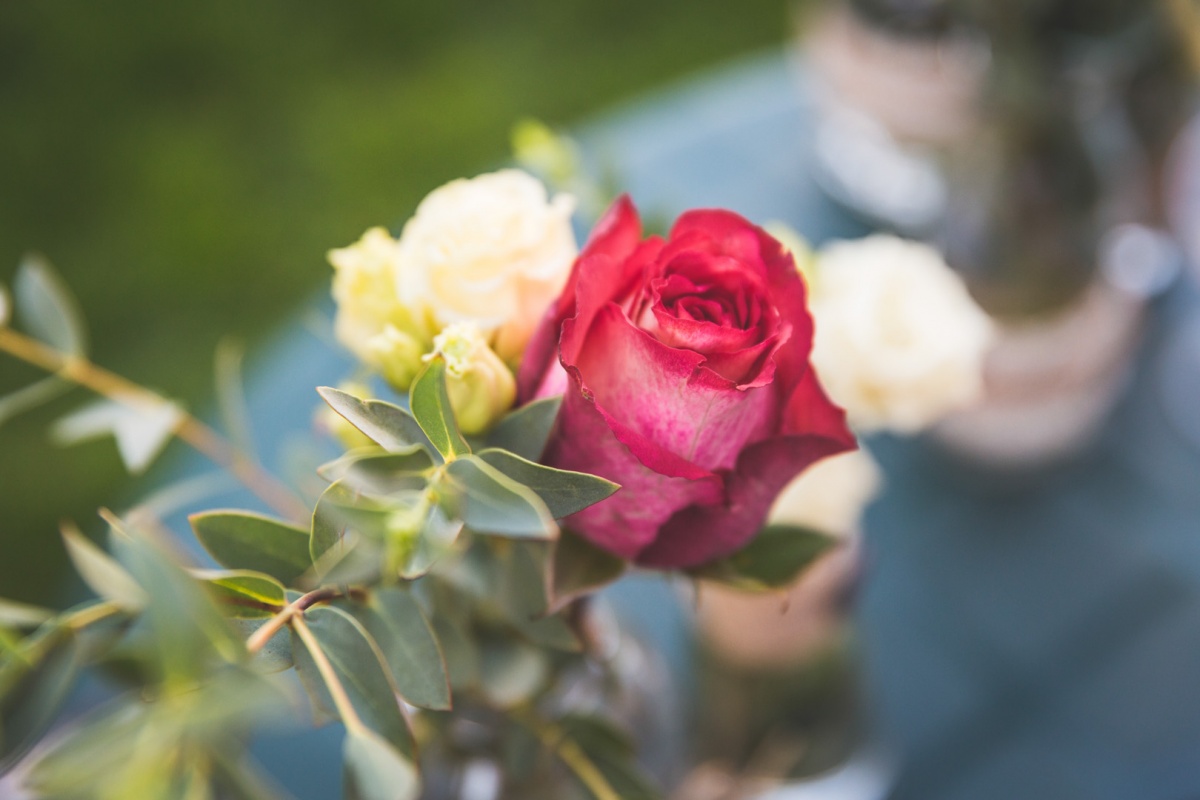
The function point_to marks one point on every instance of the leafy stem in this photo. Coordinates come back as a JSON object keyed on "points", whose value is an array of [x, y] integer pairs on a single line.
{"points": [[341, 700], [293, 612], [189, 429], [556, 740]]}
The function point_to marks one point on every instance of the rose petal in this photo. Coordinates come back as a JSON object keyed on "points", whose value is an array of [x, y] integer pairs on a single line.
{"points": [[661, 394], [629, 520], [702, 533]]}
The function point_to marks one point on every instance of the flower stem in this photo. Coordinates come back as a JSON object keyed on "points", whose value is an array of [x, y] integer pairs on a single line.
{"points": [[337, 692], [555, 739], [292, 613], [190, 430]]}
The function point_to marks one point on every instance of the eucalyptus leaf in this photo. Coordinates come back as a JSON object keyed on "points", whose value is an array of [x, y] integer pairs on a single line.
{"points": [[102, 573], [461, 652], [564, 492], [97, 745], [578, 568], [378, 473], [525, 431], [244, 593], [276, 654], [358, 666], [245, 540], [34, 683], [490, 502], [521, 591], [393, 428], [374, 770], [141, 430], [32, 396], [20, 615], [511, 671], [430, 404], [188, 632], [47, 308], [340, 512], [410, 648], [774, 558]]}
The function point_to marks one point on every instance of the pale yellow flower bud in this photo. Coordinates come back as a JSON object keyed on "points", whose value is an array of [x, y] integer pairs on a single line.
{"points": [[384, 333], [481, 387]]}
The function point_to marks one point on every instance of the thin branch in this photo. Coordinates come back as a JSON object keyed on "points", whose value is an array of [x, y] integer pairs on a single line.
{"points": [[260, 637], [555, 739], [190, 430], [341, 700]]}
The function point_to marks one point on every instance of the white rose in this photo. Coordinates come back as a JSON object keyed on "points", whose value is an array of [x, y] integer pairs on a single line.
{"points": [[830, 496], [492, 250], [899, 341], [382, 332]]}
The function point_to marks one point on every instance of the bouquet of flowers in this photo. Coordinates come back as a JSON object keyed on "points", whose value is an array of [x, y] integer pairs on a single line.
{"points": [[555, 419]]}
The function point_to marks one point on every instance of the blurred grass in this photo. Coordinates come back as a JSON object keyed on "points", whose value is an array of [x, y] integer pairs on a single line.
{"points": [[186, 165]]}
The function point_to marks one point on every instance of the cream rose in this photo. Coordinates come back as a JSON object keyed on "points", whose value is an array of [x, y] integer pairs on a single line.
{"points": [[382, 332], [491, 250], [899, 341], [830, 496]]}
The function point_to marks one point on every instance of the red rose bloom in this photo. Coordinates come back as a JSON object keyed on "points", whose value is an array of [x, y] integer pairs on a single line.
{"points": [[685, 375]]}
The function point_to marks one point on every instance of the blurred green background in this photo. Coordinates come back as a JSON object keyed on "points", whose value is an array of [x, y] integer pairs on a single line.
{"points": [[186, 165]]}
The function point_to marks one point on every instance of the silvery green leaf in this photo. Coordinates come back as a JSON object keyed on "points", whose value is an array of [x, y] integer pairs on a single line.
{"points": [[32, 396], [390, 426], [245, 540], [341, 516], [374, 770], [430, 404], [564, 492], [378, 473], [34, 683], [490, 502], [358, 666], [410, 648], [578, 567], [525, 430], [102, 573], [772, 560], [141, 430], [46, 307], [511, 671], [243, 593]]}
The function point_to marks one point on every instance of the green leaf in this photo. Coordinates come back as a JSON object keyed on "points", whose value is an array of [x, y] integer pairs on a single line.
{"points": [[393, 428], [102, 573], [374, 770], [378, 473], [564, 492], [520, 589], [101, 743], [33, 686], [187, 631], [244, 593], [490, 502], [244, 540], [342, 514], [32, 396], [20, 615], [511, 671], [612, 751], [461, 652], [358, 666], [47, 309], [141, 431], [578, 568], [276, 654], [772, 560], [526, 430], [430, 405], [410, 648]]}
